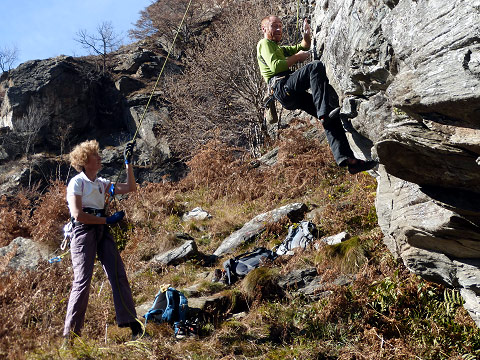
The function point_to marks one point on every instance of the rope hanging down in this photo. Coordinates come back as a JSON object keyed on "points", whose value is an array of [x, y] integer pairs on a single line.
{"points": [[161, 71], [298, 16], [155, 86], [135, 136]]}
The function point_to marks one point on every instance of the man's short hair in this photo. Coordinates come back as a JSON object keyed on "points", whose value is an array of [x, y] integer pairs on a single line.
{"points": [[266, 20]]}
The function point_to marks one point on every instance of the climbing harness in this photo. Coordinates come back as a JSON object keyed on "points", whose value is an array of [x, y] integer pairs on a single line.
{"points": [[67, 236]]}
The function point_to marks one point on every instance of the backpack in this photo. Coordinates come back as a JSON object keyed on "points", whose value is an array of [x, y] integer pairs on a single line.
{"points": [[242, 264], [170, 305], [298, 237]]}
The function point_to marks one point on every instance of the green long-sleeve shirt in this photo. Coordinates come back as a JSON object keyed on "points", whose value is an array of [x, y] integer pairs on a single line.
{"points": [[272, 58]]}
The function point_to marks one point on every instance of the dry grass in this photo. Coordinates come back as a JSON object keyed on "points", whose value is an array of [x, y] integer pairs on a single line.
{"points": [[50, 215], [385, 312], [14, 217]]}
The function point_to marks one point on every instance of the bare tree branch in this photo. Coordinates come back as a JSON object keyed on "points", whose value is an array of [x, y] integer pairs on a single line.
{"points": [[104, 41], [8, 56], [31, 124]]}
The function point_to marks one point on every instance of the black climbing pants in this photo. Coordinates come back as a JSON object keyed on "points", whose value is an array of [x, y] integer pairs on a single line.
{"points": [[291, 92]]}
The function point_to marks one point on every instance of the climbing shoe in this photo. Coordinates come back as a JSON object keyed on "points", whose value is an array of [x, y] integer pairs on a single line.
{"points": [[361, 165], [191, 328], [335, 113]]}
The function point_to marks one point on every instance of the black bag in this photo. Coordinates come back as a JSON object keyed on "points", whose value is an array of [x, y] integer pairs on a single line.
{"points": [[241, 265]]}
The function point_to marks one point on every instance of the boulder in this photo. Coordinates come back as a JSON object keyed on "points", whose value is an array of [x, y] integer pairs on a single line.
{"points": [[336, 239], [180, 254], [208, 302], [23, 254], [258, 224], [147, 124], [297, 279], [308, 283], [269, 159], [130, 62], [196, 214], [127, 84]]}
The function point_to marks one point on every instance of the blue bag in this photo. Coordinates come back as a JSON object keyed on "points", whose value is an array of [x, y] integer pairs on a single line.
{"points": [[170, 305]]}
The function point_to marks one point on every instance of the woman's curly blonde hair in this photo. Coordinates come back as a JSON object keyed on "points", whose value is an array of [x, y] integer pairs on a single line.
{"points": [[80, 153]]}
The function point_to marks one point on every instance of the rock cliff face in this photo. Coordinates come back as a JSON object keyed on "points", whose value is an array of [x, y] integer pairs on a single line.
{"points": [[73, 101], [70, 91], [408, 74]]}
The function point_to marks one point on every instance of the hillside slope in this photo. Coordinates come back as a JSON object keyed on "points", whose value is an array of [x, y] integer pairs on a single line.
{"points": [[366, 304]]}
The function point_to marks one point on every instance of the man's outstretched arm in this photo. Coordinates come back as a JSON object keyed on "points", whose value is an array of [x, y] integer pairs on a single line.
{"points": [[301, 56], [307, 39]]}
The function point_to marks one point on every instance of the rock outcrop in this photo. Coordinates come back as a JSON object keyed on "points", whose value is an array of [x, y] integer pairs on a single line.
{"points": [[47, 106], [69, 93], [185, 251], [22, 254], [408, 75]]}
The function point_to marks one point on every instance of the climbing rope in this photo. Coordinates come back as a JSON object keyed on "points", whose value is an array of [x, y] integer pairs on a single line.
{"points": [[133, 139], [161, 71], [151, 94], [296, 27]]}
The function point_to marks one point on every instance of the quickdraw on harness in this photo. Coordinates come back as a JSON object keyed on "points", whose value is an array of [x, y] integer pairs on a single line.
{"points": [[67, 236]]}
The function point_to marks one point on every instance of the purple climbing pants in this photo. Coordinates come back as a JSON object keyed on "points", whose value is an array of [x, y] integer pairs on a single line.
{"points": [[88, 241]]}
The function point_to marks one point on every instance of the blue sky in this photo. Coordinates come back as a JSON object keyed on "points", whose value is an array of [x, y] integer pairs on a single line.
{"points": [[42, 29]]}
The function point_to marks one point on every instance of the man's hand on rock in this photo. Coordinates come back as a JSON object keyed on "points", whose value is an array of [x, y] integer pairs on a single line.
{"points": [[303, 55]]}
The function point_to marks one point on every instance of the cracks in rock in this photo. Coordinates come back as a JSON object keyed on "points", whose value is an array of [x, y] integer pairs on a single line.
{"points": [[466, 59], [438, 118], [471, 63], [391, 3]]}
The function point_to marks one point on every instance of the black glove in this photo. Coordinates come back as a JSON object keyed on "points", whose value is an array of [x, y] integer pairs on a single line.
{"points": [[128, 152], [115, 217]]}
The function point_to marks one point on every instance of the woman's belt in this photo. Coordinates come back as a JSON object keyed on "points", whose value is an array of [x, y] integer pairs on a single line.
{"points": [[96, 212]]}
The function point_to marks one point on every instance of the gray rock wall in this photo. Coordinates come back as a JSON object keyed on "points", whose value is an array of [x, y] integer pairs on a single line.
{"points": [[408, 74]]}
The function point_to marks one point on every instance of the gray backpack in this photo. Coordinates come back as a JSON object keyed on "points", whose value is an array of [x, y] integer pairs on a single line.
{"points": [[241, 265], [298, 237]]}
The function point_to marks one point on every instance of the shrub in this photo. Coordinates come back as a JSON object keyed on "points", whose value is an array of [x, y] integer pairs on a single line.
{"points": [[261, 284], [50, 215], [15, 216], [221, 90]]}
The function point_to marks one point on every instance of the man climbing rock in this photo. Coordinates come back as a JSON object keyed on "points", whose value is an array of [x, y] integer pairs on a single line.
{"points": [[290, 88]]}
